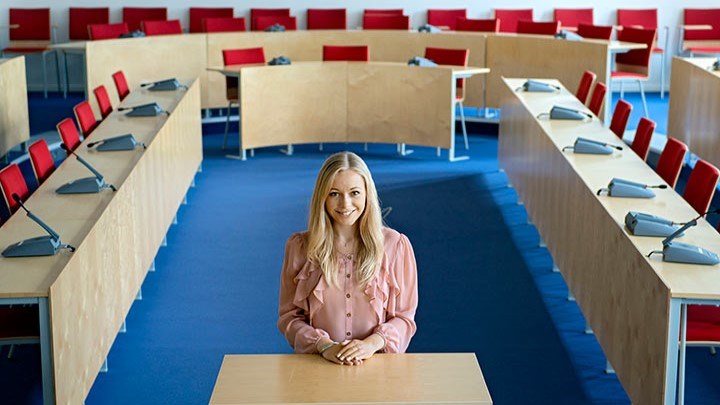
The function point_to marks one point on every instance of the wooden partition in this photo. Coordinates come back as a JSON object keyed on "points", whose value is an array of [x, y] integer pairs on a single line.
{"points": [[117, 234], [695, 106], [14, 122], [628, 299]]}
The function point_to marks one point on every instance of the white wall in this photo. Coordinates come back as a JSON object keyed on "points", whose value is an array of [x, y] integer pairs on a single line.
{"points": [[670, 14]]}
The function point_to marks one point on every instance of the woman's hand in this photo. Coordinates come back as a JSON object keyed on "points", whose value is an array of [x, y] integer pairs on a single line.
{"points": [[330, 354], [358, 350]]}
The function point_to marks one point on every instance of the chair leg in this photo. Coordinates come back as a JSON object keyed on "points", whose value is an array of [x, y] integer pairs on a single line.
{"points": [[662, 74], [11, 351], [227, 126], [462, 122], [642, 95], [67, 76], [57, 70], [622, 89], [44, 69]]}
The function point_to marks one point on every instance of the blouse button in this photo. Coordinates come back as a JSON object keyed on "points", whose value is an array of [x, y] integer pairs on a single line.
{"points": [[347, 295], [348, 334], [347, 275], [348, 314]]}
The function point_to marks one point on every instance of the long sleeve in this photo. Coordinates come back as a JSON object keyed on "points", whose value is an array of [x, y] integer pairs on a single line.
{"points": [[400, 325], [293, 316]]}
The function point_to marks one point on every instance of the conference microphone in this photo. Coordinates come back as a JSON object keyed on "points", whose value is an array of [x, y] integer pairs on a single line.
{"points": [[591, 147], [535, 86], [122, 142], [165, 85], [564, 113], [145, 110], [630, 189], [87, 184], [46, 245]]}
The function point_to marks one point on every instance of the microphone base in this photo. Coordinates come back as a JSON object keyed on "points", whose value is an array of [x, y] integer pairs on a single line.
{"points": [[147, 110], [683, 253], [166, 85], [533, 86], [641, 224], [591, 148], [118, 143], [87, 185], [628, 191], [40, 246]]}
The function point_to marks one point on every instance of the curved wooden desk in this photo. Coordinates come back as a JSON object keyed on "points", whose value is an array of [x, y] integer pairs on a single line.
{"points": [[14, 121]]}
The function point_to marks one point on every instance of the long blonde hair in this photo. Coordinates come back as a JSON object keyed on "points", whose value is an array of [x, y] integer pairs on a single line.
{"points": [[321, 241]]}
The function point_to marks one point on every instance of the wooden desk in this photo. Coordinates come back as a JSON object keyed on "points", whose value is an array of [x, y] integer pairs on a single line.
{"points": [[84, 296], [449, 378], [348, 102], [633, 303], [694, 106], [14, 122]]}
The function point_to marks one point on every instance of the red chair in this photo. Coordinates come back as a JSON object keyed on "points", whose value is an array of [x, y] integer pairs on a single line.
{"points": [[154, 28], [134, 16], [586, 82], [571, 18], [234, 57], [199, 14], [266, 12], [121, 84], [19, 326], [107, 31], [82, 18], [69, 133], [643, 136], [85, 118], [701, 184], [701, 41], [386, 22], [261, 23], [326, 19], [224, 25], [603, 32], [598, 98], [103, 100], [620, 118], [359, 53], [647, 19], [671, 161], [42, 161], [383, 11], [445, 18], [30, 32], [13, 182], [467, 24], [454, 57], [509, 18], [538, 28], [634, 65]]}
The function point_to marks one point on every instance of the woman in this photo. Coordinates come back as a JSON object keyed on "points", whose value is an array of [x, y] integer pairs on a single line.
{"points": [[349, 285]]}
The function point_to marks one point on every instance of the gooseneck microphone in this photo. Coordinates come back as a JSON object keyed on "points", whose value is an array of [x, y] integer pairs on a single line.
{"points": [[84, 185], [591, 147], [144, 110], [46, 245], [117, 143], [684, 253]]}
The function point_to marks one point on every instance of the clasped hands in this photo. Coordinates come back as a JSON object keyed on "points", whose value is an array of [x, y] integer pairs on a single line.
{"points": [[353, 352]]}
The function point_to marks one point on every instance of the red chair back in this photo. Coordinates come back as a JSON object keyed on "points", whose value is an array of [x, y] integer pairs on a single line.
{"points": [[383, 11], [103, 100], [445, 18], [704, 16], [243, 56], [638, 18], [701, 185], [509, 18], [85, 118], [13, 182], [107, 31], [69, 133], [121, 84], [586, 82], [671, 161], [573, 17], [326, 19], [620, 117], [386, 22], [82, 18], [260, 23], [538, 28], [224, 24], [265, 12], [134, 16], [199, 14], [42, 161], [454, 57], [595, 31], [597, 98], [32, 24], [643, 136], [638, 58], [346, 53], [486, 25], [169, 27]]}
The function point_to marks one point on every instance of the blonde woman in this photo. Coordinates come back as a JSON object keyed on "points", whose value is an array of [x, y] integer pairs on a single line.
{"points": [[349, 285]]}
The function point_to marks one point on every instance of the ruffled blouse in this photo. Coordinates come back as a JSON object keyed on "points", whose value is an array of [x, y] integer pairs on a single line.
{"points": [[310, 308]]}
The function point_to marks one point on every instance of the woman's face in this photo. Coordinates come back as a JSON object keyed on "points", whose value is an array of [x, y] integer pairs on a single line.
{"points": [[345, 201]]}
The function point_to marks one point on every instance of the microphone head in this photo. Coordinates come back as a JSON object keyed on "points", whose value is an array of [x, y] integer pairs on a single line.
{"points": [[64, 147], [16, 198], [662, 186]]}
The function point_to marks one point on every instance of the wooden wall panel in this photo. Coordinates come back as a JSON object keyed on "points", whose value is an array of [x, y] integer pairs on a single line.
{"points": [[14, 121]]}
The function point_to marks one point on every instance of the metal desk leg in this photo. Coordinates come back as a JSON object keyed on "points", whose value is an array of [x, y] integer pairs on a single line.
{"points": [[671, 367], [46, 352], [683, 347]]}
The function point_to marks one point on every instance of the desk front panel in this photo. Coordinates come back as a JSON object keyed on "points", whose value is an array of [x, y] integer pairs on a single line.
{"points": [[14, 121]]}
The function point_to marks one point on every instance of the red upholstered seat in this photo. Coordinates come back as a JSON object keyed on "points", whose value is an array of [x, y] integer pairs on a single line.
{"points": [[85, 118], [700, 187], [635, 65], [478, 25], [643, 136], [42, 161], [388, 11], [453, 57], [81, 18], [69, 133], [571, 18], [359, 53], [107, 31], [13, 182], [445, 18], [386, 22], [121, 84], [265, 12], [631, 75], [509, 18], [702, 16], [704, 49], [703, 323], [261, 23], [224, 24], [197, 15], [327, 19], [586, 82], [103, 100], [597, 98], [595, 31], [25, 49], [134, 16], [620, 118], [234, 57], [671, 161], [169, 27], [538, 28]]}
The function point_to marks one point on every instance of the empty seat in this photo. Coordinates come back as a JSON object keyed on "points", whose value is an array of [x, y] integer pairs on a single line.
{"points": [[509, 18], [264, 12], [453, 57], [598, 98], [446, 19], [586, 82], [107, 31], [13, 182], [121, 84], [571, 18], [69, 133], [481, 25], [261, 23], [386, 22], [603, 32], [643, 136], [620, 118], [671, 161], [197, 16], [701, 184], [41, 159], [81, 18], [85, 118], [153, 28], [224, 24], [103, 101], [326, 19], [134, 16], [538, 28], [360, 53]]}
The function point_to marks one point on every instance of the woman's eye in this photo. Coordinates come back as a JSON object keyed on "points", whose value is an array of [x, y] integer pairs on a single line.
{"points": [[355, 192], [333, 194]]}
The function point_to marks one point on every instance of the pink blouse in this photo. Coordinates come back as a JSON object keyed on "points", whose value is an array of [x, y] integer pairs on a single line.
{"points": [[310, 308]]}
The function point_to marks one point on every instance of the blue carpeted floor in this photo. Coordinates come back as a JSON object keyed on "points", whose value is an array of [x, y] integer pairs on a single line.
{"points": [[485, 284]]}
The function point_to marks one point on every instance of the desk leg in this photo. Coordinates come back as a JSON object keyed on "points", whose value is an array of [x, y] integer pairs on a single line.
{"points": [[671, 367], [608, 96], [404, 151], [682, 353], [243, 152], [46, 352]]}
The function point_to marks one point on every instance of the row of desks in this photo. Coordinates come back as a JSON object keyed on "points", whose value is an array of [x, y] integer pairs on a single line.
{"points": [[84, 296], [632, 303]]}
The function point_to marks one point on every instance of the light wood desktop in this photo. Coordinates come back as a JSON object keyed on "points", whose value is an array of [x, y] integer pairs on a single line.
{"points": [[694, 106], [14, 121], [632, 303], [438, 378], [348, 102], [84, 296]]}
